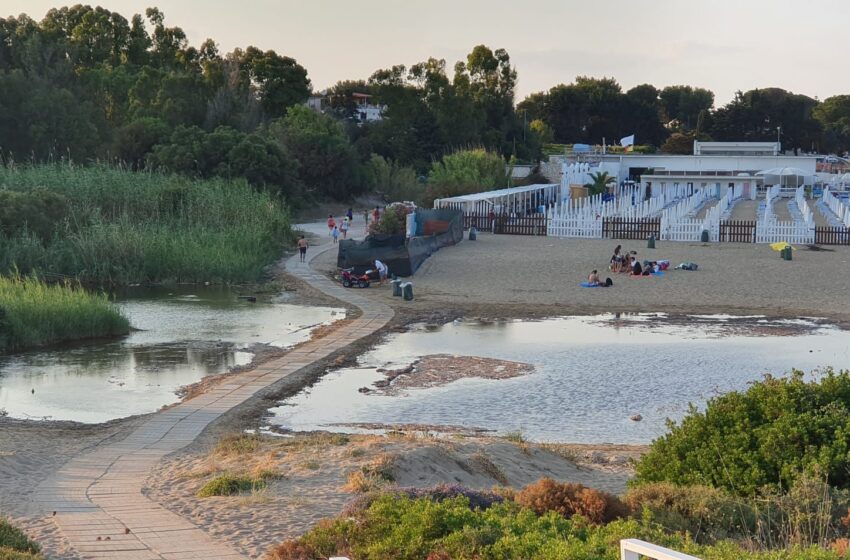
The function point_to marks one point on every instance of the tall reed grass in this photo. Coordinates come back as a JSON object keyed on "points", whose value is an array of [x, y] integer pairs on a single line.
{"points": [[33, 313], [125, 227]]}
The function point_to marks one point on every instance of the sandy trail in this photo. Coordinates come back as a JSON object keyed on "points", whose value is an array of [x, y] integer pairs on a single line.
{"points": [[745, 210]]}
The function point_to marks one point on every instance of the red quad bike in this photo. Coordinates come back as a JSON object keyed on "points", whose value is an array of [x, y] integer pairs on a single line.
{"points": [[350, 279]]}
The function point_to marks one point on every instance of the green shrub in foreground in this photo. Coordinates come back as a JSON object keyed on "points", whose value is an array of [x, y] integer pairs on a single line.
{"points": [[764, 437], [33, 313], [14, 542], [413, 529]]}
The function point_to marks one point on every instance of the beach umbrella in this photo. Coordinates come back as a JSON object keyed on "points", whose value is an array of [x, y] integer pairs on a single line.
{"points": [[781, 175]]}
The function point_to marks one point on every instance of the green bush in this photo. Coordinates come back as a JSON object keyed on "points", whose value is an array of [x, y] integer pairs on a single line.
{"points": [[123, 227], [406, 529], [764, 437], [33, 313], [13, 540], [228, 484], [464, 172]]}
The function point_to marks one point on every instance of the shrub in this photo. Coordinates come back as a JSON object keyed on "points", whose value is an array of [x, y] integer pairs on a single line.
{"points": [[402, 528], [33, 313], [392, 222], [464, 172], [228, 484], [237, 444], [14, 539], [766, 436], [123, 227], [293, 550], [708, 514], [568, 499]]}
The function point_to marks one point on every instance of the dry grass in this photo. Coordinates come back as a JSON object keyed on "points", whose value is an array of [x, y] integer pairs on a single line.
{"points": [[376, 475], [482, 463]]}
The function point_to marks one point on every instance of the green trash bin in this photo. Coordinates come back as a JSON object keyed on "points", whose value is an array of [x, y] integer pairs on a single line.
{"points": [[704, 237], [788, 251], [396, 287], [407, 290], [650, 243]]}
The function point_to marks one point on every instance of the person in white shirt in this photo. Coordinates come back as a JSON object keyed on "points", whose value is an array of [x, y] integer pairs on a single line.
{"points": [[382, 271]]}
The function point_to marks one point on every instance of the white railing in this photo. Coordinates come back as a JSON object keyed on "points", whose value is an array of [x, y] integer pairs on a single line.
{"points": [[634, 549], [803, 206], [838, 208]]}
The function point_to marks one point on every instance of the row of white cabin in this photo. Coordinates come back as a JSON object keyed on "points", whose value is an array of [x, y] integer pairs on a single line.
{"points": [[723, 165]]}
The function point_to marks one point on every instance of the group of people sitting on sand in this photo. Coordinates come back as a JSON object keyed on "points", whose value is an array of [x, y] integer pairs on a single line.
{"points": [[628, 263]]}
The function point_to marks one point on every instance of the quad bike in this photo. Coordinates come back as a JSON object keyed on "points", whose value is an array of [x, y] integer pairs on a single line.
{"points": [[350, 279]]}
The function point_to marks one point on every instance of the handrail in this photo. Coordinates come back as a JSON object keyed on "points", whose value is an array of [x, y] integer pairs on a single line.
{"points": [[634, 549]]}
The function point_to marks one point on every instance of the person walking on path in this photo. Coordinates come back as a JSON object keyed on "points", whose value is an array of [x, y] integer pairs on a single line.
{"points": [[350, 215], [331, 224], [376, 215], [343, 227], [302, 248], [335, 233]]}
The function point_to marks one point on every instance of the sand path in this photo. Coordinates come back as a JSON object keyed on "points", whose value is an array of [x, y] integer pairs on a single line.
{"points": [[745, 210], [96, 499]]}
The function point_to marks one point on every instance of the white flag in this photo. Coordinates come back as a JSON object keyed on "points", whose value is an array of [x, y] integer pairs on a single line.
{"points": [[627, 141]]}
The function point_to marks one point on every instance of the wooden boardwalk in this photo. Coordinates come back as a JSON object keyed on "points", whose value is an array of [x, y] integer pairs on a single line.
{"points": [[96, 499]]}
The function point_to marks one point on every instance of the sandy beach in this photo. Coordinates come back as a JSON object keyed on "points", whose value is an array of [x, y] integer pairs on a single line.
{"points": [[515, 276]]}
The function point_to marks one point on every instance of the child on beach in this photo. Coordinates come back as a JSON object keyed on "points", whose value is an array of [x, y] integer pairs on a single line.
{"points": [[343, 227], [335, 233], [331, 224]]}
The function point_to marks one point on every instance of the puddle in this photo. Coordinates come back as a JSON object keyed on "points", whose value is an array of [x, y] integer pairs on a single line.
{"points": [[185, 333], [591, 374]]}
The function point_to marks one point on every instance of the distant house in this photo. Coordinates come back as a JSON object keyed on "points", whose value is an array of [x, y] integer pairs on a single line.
{"points": [[366, 111], [361, 108]]}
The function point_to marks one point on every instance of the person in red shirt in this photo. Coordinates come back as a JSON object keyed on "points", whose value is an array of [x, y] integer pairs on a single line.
{"points": [[331, 224]]}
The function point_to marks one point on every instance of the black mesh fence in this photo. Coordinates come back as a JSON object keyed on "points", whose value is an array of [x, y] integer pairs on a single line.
{"points": [[435, 229]]}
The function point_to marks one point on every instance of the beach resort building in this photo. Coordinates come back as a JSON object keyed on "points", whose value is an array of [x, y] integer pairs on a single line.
{"points": [[722, 165]]}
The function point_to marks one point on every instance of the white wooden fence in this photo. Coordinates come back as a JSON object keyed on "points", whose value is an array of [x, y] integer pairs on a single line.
{"points": [[838, 208], [679, 223], [634, 549], [770, 230]]}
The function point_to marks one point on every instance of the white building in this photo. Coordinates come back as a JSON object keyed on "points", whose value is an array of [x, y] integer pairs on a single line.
{"points": [[719, 164]]}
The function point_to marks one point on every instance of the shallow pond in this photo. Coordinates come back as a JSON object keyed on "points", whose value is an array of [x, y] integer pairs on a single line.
{"points": [[591, 374], [185, 333]]}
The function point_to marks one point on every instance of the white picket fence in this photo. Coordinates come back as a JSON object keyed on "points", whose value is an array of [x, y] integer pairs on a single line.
{"points": [[678, 223], [837, 206], [587, 227], [770, 230]]}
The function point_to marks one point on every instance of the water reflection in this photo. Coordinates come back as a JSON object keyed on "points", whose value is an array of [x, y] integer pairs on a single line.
{"points": [[591, 374], [185, 334]]}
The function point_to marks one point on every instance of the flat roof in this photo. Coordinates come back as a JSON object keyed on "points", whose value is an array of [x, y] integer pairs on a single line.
{"points": [[475, 197]]}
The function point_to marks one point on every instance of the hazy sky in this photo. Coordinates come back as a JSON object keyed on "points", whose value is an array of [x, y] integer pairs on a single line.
{"points": [[723, 45]]}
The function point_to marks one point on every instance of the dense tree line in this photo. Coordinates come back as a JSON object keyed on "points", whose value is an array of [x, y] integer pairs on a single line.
{"points": [[87, 84], [591, 109]]}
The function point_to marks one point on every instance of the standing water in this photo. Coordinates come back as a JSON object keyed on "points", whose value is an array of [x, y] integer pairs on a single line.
{"points": [[184, 334], [591, 374]]}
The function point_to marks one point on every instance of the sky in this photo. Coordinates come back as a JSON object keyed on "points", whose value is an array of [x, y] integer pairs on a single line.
{"points": [[722, 45]]}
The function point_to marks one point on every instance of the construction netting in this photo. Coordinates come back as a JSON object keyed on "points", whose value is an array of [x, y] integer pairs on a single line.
{"points": [[435, 229]]}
